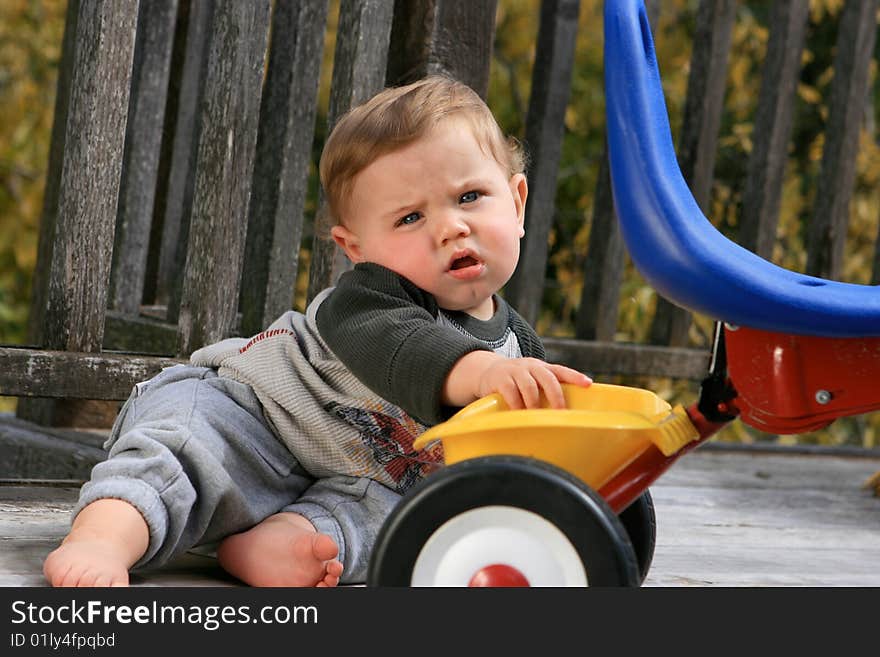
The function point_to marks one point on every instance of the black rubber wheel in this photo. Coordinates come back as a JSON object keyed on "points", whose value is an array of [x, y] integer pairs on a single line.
{"points": [[640, 523], [527, 488]]}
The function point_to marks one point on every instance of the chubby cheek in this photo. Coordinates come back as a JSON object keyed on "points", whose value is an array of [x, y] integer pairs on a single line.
{"points": [[409, 261], [505, 248]]}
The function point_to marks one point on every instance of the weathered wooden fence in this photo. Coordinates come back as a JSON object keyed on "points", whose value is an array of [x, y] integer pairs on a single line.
{"points": [[182, 141]]}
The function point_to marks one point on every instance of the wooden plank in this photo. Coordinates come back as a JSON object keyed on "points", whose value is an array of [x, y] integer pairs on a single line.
{"points": [[49, 215], [446, 37], [757, 519], [74, 375], [705, 96], [41, 373], [79, 268], [143, 138], [281, 170], [826, 235], [166, 150], [145, 334], [596, 317], [545, 123], [628, 359], [773, 120], [227, 128], [70, 295], [141, 335], [169, 235], [741, 467], [723, 519], [699, 137], [33, 520], [31, 451], [359, 64]]}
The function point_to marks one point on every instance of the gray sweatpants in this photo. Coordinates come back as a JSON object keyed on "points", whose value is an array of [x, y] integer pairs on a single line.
{"points": [[194, 454]]}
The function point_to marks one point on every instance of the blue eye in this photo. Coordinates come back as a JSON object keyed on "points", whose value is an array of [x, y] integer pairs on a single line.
{"points": [[409, 219], [469, 197]]}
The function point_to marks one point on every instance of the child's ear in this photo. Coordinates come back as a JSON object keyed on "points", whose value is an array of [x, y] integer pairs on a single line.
{"points": [[347, 241], [519, 188]]}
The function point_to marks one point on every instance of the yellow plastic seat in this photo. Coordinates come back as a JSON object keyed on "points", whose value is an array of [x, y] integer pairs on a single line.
{"points": [[601, 431]]}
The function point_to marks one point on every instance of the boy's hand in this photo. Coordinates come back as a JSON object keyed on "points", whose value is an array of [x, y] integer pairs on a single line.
{"points": [[519, 381]]}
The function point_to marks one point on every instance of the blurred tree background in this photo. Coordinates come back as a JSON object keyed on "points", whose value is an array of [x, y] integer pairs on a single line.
{"points": [[30, 39], [30, 44]]}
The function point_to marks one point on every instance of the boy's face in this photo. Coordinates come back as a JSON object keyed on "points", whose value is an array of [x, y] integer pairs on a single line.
{"points": [[441, 213]]}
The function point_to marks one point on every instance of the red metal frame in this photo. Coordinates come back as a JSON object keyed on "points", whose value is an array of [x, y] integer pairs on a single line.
{"points": [[797, 383], [775, 382], [633, 480]]}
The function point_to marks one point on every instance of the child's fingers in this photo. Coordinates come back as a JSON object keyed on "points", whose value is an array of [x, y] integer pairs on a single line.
{"points": [[529, 389], [551, 387], [510, 392], [568, 375], [522, 381]]}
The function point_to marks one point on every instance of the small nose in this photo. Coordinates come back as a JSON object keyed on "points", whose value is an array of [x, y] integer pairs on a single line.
{"points": [[450, 226]]}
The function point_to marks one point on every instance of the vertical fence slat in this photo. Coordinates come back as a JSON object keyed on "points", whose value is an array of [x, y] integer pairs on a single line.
{"points": [[168, 240], [773, 120], [87, 158], [705, 99], [447, 37], [92, 161], [699, 136], [281, 170], [545, 123], [43, 411], [228, 118], [358, 73], [596, 317], [826, 236], [49, 215], [143, 138]]}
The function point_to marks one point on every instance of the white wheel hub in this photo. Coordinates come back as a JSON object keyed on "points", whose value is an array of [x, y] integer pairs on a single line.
{"points": [[519, 541]]}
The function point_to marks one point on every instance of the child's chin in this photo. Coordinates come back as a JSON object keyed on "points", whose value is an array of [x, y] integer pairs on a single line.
{"points": [[470, 303]]}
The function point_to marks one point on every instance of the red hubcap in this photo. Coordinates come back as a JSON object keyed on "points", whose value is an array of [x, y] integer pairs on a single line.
{"points": [[498, 574]]}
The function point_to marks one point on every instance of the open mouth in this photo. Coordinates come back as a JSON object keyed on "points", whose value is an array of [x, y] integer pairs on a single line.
{"points": [[465, 266], [463, 262]]}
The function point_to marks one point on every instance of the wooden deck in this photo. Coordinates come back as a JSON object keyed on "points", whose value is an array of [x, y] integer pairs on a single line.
{"points": [[725, 518]]}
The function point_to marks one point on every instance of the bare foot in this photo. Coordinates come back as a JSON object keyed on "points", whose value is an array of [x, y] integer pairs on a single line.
{"points": [[86, 560], [107, 538], [282, 550]]}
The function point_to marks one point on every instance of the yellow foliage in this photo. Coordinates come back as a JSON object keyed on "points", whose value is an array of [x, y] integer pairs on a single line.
{"points": [[823, 9], [30, 40], [809, 94]]}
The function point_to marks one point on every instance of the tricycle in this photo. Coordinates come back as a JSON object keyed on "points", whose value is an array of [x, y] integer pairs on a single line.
{"points": [[561, 497]]}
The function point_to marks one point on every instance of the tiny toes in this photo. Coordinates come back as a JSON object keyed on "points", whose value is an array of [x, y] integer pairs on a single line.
{"points": [[324, 547], [328, 581]]}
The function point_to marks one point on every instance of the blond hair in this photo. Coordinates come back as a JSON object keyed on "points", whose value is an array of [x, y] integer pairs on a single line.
{"points": [[397, 117]]}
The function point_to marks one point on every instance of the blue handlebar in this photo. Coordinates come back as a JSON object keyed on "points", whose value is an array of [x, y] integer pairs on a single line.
{"points": [[671, 242]]}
